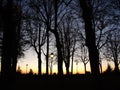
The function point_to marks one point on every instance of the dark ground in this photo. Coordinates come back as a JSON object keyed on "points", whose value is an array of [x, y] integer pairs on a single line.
{"points": [[74, 82]]}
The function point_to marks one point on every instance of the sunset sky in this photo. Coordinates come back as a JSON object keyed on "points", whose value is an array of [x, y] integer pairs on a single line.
{"points": [[31, 59]]}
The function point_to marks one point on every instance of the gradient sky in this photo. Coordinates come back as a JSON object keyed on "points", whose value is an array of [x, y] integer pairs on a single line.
{"points": [[31, 59]]}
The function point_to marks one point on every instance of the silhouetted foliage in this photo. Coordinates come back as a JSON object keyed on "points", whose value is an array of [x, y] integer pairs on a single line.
{"points": [[108, 70], [19, 71], [30, 72]]}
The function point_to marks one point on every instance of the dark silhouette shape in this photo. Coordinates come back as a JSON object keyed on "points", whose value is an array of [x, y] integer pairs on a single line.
{"points": [[30, 72], [11, 18], [108, 70], [58, 44], [87, 14], [90, 36], [47, 53]]}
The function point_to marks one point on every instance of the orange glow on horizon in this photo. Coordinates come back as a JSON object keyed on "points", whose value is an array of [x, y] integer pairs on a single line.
{"points": [[32, 61], [54, 70]]}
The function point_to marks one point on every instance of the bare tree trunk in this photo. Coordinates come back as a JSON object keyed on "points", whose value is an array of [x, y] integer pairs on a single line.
{"points": [[85, 68], [90, 36], [116, 66], [100, 64], [116, 63], [39, 53], [39, 63], [72, 64], [15, 43], [13, 69], [51, 68], [59, 53], [58, 45], [73, 51], [67, 68], [68, 60], [47, 55]]}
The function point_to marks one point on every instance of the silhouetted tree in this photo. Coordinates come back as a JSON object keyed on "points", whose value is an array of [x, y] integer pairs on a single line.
{"points": [[108, 70], [36, 30], [30, 72], [73, 53], [50, 11], [1, 27], [76, 61], [87, 12], [37, 38], [84, 56], [11, 16], [19, 71], [68, 38], [57, 12], [103, 18], [44, 8], [112, 48], [58, 44], [99, 22]]}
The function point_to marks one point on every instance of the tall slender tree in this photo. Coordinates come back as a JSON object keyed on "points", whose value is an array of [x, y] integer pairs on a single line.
{"points": [[68, 38]]}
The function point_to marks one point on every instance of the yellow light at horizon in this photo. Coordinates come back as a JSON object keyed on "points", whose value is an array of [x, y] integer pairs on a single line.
{"points": [[35, 69], [32, 61]]}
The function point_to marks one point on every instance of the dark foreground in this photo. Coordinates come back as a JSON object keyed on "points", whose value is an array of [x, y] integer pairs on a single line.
{"points": [[74, 82]]}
